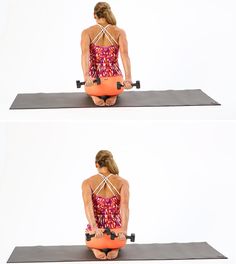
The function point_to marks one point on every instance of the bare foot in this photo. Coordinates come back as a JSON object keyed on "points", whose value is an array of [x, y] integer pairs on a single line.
{"points": [[113, 254], [99, 254], [98, 101], [111, 100]]}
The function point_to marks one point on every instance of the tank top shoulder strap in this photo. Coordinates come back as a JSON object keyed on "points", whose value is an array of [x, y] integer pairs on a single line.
{"points": [[105, 181], [105, 32]]}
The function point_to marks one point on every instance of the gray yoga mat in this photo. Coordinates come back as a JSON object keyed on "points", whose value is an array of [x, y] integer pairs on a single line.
{"points": [[126, 99], [170, 251]]}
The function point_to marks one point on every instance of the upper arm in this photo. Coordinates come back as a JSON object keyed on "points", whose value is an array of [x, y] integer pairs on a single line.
{"points": [[85, 41], [86, 192], [123, 43], [124, 194]]}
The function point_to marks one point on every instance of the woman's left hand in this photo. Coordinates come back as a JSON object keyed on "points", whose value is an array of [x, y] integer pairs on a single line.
{"points": [[121, 235], [127, 84]]}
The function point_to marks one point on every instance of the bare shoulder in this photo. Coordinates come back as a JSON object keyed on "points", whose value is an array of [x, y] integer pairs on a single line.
{"points": [[87, 182], [123, 181], [91, 28], [119, 31], [86, 31]]}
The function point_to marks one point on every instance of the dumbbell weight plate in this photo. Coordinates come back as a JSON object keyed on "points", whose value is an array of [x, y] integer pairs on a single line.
{"points": [[119, 85], [113, 235], [98, 80], [137, 84], [88, 237], [132, 237]]}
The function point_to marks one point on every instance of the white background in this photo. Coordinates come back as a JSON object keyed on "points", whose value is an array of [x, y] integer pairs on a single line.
{"points": [[181, 177], [173, 44], [181, 173]]}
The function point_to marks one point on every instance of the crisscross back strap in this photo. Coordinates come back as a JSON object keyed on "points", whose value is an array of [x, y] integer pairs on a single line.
{"points": [[105, 181], [105, 32]]}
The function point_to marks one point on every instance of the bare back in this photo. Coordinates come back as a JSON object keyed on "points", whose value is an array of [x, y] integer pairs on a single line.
{"points": [[121, 199], [104, 41], [116, 40], [105, 192]]}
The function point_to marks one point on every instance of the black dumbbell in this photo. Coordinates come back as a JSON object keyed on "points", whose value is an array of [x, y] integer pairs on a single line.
{"points": [[131, 237], [119, 85], [106, 231], [89, 236], [79, 83]]}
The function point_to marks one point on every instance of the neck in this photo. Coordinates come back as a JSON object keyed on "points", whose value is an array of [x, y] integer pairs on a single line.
{"points": [[105, 173], [102, 22]]}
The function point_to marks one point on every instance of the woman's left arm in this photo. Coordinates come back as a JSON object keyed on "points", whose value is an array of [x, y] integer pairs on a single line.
{"points": [[88, 204], [124, 205]]}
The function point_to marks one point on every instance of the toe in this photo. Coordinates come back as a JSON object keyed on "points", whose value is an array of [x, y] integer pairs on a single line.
{"points": [[113, 254]]}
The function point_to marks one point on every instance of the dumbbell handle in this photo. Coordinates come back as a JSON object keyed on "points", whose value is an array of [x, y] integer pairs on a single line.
{"points": [[137, 84], [79, 83], [112, 234], [89, 236], [106, 231], [132, 237]]}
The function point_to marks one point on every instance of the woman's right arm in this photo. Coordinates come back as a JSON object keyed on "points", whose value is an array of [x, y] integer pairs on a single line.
{"points": [[88, 204], [123, 44], [85, 42]]}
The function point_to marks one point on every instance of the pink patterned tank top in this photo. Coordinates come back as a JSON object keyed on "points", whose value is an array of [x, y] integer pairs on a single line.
{"points": [[103, 60], [106, 210]]}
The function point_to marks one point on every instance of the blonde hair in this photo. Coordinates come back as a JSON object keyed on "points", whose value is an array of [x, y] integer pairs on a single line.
{"points": [[103, 10], [104, 158]]}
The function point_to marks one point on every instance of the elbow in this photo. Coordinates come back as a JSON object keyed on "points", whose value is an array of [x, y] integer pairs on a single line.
{"points": [[124, 55], [124, 207], [84, 55], [87, 204]]}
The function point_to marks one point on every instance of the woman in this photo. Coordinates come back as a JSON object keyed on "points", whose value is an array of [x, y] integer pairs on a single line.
{"points": [[106, 202], [100, 46]]}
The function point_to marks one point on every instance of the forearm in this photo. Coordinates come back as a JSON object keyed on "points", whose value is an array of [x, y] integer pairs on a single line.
{"points": [[90, 215], [127, 66], [124, 217], [85, 64]]}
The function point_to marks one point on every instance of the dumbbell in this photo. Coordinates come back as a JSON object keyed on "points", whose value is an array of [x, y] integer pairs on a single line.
{"points": [[89, 236], [131, 237], [79, 83], [106, 231], [112, 234], [119, 85]]}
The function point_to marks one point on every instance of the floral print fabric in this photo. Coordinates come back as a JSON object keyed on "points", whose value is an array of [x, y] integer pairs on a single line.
{"points": [[106, 212], [103, 61]]}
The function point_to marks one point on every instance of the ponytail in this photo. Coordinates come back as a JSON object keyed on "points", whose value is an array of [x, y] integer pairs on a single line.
{"points": [[104, 158], [103, 10]]}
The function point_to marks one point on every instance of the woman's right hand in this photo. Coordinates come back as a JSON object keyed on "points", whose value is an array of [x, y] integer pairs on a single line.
{"points": [[98, 233], [88, 81]]}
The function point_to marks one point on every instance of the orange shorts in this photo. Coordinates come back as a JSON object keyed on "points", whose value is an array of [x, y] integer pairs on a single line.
{"points": [[107, 87], [106, 242]]}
